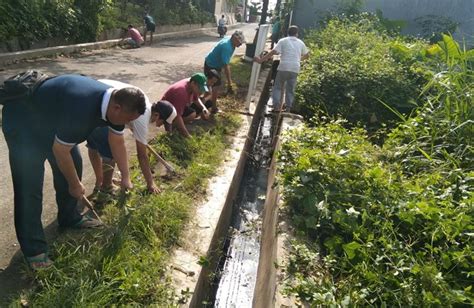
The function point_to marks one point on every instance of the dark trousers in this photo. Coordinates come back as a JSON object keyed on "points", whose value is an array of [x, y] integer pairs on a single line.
{"points": [[30, 141]]}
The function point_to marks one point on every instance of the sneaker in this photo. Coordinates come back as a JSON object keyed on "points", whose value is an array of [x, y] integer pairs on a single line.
{"points": [[87, 222], [39, 262]]}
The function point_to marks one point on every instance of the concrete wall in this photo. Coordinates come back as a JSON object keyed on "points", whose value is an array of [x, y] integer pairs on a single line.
{"points": [[308, 13]]}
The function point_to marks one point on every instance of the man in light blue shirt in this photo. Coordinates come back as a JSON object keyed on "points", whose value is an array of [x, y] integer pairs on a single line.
{"points": [[219, 58]]}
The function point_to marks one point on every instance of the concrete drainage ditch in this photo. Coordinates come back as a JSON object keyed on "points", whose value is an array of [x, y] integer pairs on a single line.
{"points": [[238, 260]]}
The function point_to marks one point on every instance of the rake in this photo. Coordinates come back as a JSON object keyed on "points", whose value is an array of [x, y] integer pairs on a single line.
{"points": [[91, 207], [161, 160]]}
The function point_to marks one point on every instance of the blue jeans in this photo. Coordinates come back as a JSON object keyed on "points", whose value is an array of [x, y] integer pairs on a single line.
{"points": [[284, 80], [30, 140]]}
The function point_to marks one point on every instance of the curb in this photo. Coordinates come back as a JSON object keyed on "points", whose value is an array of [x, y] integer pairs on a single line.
{"points": [[13, 57]]}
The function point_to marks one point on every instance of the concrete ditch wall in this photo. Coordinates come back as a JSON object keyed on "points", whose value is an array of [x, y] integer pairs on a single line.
{"points": [[210, 223], [203, 289], [264, 295]]}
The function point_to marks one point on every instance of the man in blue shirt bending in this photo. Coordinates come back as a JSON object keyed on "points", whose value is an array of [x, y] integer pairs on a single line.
{"points": [[219, 58], [62, 113]]}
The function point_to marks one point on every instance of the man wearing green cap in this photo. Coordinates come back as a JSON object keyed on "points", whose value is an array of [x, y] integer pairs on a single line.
{"points": [[182, 94]]}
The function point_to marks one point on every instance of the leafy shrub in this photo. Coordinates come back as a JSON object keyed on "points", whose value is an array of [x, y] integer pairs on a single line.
{"points": [[78, 21], [74, 21], [351, 70], [386, 239], [183, 13]]}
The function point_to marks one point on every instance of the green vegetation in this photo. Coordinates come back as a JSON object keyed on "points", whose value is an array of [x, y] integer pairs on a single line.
{"points": [[126, 263], [389, 225], [79, 21], [352, 68]]}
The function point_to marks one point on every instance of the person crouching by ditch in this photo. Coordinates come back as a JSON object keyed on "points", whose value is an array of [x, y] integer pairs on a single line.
{"points": [[63, 112], [292, 51], [100, 153], [213, 77], [182, 95], [219, 58], [135, 39]]}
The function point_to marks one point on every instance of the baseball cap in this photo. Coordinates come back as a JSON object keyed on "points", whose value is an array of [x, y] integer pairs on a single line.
{"points": [[240, 36], [201, 80], [166, 111]]}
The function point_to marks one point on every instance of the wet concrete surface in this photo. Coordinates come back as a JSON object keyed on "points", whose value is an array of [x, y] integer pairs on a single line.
{"points": [[152, 68], [241, 252]]}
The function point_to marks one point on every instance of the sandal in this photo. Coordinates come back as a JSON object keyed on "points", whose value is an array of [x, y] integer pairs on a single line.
{"points": [[110, 190], [94, 193], [39, 262], [87, 222]]}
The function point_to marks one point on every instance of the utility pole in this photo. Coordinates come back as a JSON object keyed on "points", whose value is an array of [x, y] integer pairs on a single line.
{"points": [[263, 19], [245, 11]]}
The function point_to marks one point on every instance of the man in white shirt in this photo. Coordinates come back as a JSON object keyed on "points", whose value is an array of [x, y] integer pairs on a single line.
{"points": [[161, 112], [292, 51]]}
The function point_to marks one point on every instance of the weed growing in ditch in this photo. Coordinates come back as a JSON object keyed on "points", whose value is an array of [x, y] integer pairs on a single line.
{"points": [[392, 225], [386, 238]]}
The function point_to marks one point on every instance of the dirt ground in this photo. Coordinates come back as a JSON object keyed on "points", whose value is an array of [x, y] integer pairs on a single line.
{"points": [[152, 68]]}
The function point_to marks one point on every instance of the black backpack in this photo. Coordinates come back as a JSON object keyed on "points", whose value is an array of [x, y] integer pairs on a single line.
{"points": [[21, 86]]}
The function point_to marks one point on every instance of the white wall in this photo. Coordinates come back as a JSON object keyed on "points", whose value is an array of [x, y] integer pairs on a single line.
{"points": [[223, 8]]}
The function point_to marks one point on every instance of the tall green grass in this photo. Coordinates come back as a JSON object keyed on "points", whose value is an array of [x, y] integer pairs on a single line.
{"points": [[442, 132]]}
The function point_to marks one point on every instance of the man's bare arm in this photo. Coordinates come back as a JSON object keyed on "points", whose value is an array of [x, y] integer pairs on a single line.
{"points": [[145, 167], [265, 57], [62, 153], [119, 152], [181, 127], [305, 56], [227, 75]]}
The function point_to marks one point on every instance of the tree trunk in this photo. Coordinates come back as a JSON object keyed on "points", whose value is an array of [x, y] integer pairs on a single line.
{"points": [[277, 8]]}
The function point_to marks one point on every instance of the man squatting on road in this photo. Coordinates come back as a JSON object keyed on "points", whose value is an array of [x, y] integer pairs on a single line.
{"points": [[161, 112], [63, 113], [184, 96]]}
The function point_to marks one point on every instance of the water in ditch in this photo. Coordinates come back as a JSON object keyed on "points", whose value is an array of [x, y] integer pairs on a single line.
{"points": [[238, 267]]}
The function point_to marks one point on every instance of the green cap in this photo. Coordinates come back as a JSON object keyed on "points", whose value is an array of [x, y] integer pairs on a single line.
{"points": [[201, 80]]}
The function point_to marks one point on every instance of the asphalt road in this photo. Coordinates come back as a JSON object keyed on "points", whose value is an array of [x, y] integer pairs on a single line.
{"points": [[152, 68]]}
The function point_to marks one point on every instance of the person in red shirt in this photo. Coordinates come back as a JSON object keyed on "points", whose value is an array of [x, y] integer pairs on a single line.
{"points": [[184, 93], [135, 38]]}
